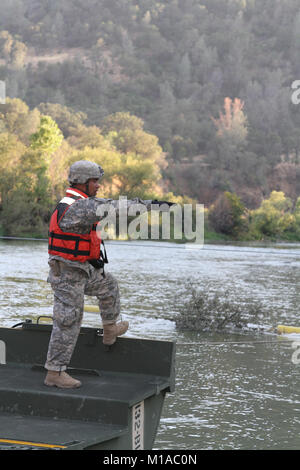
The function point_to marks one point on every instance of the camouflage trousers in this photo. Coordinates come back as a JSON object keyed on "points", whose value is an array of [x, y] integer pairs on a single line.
{"points": [[70, 285]]}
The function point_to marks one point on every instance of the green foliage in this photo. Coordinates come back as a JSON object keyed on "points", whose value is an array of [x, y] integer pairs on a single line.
{"points": [[202, 309], [18, 119], [34, 166], [274, 217], [66, 118], [11, 150], [33, 176], [126, 133], [25, 198], [194, 92], [23, 211], [12, 50], [225, 215], [170, 63], [48, 138]]}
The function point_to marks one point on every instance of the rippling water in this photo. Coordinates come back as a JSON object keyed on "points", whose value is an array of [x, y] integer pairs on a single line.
{"points": [[233, 390]]}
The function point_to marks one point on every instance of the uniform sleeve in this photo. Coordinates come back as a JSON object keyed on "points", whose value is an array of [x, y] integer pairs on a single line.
{"points": [[83, 213]]}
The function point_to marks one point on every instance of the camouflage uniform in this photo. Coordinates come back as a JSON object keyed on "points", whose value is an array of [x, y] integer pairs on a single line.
{"points": [[71, 280]]}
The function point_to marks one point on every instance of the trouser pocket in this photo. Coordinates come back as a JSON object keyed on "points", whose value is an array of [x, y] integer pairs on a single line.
{"points": [[68, 306]]}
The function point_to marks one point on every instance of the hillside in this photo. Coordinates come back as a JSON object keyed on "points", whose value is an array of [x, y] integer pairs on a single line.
{"points": [[208, 77]]}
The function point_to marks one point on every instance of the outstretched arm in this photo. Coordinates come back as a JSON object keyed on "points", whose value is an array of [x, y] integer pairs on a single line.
{"points": [[83, 213]]}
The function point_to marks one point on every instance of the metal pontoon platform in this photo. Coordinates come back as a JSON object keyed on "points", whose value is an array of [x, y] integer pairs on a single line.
{"points": [[118, 405]]}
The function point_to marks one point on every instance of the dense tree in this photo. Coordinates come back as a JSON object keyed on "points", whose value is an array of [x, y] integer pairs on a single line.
{"points": [[170, 66], [48, 137], [274, 216], [225, 215], [18, 119], [33, 174]]}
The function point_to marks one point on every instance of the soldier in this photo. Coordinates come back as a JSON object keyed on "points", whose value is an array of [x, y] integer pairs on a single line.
{"points": [[77, 268]]}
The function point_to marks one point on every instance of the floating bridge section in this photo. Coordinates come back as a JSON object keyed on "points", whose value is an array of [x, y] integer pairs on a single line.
{"points": [[118, 405]]}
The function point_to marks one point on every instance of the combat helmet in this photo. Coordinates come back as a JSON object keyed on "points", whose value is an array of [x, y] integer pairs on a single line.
{"points": [[83, 170]]}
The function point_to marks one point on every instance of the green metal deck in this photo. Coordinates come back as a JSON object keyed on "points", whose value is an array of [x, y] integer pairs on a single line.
{"points": [[118, 405]]}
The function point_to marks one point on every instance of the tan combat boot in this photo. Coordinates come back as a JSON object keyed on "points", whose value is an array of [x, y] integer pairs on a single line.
{"points": [[61, 380], [111, 331]]}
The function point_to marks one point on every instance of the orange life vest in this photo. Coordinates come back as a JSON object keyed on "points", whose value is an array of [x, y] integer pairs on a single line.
{"points": [[72, 246]]}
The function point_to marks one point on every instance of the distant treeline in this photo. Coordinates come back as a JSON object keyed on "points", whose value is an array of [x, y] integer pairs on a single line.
{"points": [[37, 147], [277, 218], [210, 78]]}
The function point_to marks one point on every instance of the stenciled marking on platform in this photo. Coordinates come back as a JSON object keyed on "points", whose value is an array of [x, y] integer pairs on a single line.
{"points": [[2, 352], [138, 426]]}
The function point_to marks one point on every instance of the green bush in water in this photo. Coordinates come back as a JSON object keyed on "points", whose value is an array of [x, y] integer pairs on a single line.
{"points": [[203, 310]]}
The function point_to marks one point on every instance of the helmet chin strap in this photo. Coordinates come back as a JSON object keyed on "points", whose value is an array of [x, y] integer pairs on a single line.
{"points": [[86, 189]]}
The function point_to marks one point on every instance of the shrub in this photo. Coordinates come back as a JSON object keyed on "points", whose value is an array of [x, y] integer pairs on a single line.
{"points": [[273, 217], [225, 215], [203, 310]]}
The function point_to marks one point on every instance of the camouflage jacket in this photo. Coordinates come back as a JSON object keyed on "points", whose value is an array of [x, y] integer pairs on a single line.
{"points": [[80, 217]]}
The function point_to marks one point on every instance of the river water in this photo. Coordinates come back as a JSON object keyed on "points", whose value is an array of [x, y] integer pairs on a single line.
{"points": [[234, 389]]}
